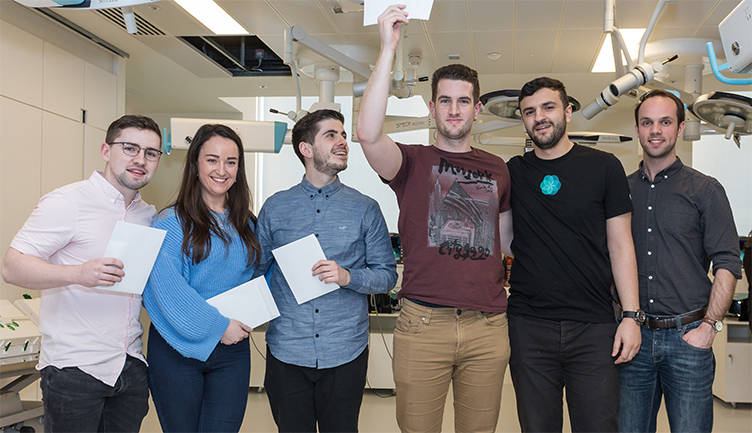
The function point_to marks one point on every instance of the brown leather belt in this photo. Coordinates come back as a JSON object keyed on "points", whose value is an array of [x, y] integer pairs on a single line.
{"points": [[674, 322]]}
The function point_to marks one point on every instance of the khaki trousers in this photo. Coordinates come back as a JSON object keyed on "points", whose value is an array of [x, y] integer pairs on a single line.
{"points": [[434, 347]]}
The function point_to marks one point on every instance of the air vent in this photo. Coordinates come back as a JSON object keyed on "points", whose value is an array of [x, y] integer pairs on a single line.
{"points": [[145, 28], [241, 56]]}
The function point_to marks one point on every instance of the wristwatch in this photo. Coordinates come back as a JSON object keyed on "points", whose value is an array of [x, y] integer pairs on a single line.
{"points": [[716, 324], [638, 316]]}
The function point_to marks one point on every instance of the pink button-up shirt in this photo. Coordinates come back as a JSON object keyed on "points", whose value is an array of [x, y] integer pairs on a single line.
{"points": [[83, 327]]}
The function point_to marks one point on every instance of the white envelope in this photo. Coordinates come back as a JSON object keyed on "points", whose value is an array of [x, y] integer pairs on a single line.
{"points": [[137, 247], [251, 303], [296, 260], [416, 9]]}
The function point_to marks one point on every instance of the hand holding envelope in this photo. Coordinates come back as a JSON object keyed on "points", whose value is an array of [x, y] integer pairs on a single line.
{"points": [[418, 9], [296, 260], [137, 247]]}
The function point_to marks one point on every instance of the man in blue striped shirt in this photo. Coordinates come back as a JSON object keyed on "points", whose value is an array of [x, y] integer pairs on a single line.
{"points": [[317, 352]]}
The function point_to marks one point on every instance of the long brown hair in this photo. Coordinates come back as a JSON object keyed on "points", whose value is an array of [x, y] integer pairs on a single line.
{"points": [[197, 220]]}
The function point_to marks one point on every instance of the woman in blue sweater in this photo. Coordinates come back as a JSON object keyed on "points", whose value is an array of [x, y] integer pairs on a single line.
{"points": [[199, 360]]}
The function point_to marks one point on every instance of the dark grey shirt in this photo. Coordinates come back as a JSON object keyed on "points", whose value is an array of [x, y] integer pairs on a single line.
{"points": [[681, 223]]}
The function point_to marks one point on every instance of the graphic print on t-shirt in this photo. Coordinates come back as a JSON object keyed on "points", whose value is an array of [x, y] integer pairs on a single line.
{"points": [[463, 212]]}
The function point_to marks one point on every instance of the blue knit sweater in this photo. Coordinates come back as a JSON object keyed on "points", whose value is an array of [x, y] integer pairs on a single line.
{"points": [[175, 295]]}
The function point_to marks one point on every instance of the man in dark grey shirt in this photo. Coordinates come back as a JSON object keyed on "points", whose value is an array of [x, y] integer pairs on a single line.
{"points": [[681, 223]]}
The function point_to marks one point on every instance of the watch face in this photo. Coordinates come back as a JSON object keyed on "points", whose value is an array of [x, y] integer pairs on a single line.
{"points": [[718, 326], [640, 316]]}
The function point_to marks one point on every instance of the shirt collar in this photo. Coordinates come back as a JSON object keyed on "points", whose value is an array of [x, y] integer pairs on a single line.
{"points": [[327, 191], [666, 172], [110, 191]]}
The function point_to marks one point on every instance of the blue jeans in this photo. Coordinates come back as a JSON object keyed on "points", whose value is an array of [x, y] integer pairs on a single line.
{"points": [[668, 366], [195, 396], [77, 402]]}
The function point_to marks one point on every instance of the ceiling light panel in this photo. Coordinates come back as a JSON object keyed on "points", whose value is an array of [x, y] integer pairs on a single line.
{"points": [[212, 16], [605, 60]]}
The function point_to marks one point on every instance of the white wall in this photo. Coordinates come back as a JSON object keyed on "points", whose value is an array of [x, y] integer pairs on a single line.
{"points": [[44, 90]]}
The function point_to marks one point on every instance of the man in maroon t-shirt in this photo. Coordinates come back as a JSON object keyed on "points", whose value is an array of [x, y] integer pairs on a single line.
{"points": [[455, 222]]}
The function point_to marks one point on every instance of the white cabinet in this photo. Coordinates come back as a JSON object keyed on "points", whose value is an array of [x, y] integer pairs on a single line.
{"points": [[62, 83], [381, 343], [733, 372], [258, 357]]}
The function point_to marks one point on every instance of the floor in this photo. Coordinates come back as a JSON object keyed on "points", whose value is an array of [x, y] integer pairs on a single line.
{"points": [[377, 415]]}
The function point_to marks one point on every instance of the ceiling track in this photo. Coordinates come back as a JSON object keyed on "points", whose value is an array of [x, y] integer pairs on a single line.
{"points": [[81, 31]]}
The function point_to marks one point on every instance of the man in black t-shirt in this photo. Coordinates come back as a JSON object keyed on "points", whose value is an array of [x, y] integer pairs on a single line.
{"points": [[572, 242]]}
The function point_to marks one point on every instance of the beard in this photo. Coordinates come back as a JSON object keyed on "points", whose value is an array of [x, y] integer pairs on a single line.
{"points": [[322, 164], [659, 152], [460, 134], [129, 183], [557, 133]]}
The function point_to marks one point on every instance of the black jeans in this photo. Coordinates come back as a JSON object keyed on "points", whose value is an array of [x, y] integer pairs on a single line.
{"points": [[301, 396], [77, 402], [548, 355]]}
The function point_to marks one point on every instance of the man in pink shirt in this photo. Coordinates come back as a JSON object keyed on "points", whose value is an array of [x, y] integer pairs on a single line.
{"points": [[93, 372]]}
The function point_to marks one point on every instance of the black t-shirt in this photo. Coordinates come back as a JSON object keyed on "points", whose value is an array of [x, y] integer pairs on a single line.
{"points": [[561, 269]]}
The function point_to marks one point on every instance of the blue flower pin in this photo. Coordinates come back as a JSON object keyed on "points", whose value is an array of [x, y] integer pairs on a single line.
{"points": [[550, 185]]}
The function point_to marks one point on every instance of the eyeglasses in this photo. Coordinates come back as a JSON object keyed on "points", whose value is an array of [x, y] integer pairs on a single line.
{"points": [[132, 149]]}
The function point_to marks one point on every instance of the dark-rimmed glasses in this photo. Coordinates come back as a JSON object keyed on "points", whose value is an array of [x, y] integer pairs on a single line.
{"points": [[133, 149]]}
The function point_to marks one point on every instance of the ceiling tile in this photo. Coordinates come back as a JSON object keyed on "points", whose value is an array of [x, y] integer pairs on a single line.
{"points": [[720, 12], [634, 14], [257, 16], [660, 33], [707, 33], [577, 50], [348, 22], [684, 14], [539, 14], [453, 43], [448, 16], [534, 51], [501, 42], [491, 15], [306, 13], [584, 14]]}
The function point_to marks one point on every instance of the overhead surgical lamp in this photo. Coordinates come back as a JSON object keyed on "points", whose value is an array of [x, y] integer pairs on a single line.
{"points": [[728, 113]]}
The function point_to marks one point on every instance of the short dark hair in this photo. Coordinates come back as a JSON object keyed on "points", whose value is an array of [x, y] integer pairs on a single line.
{"points": [[305, 129], [131, 121], [455, 72], [664, 94], [533, 86]]}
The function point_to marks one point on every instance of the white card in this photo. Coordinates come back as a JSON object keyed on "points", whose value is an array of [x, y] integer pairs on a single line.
{"points": [[137, 247], [416, 9], [296, 260], [251, 303]]}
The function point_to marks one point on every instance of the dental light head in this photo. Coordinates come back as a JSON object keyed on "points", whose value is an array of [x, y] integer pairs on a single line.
{"points": [[640, 75]]}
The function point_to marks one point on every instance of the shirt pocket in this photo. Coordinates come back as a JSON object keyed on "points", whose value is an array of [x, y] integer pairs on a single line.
{"points": [[679, 219]]}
